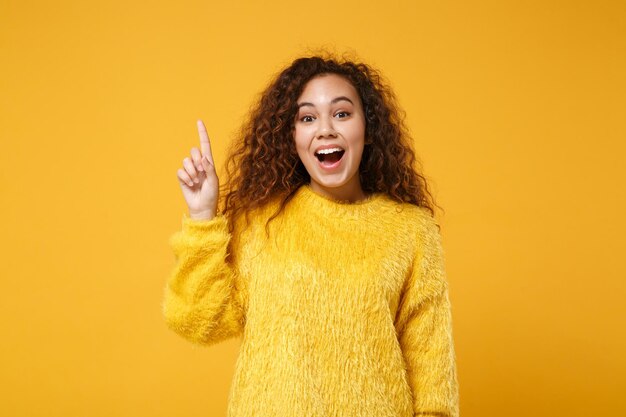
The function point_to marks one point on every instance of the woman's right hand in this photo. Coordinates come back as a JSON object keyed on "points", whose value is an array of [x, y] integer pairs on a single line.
{"points": [[198, 179]]}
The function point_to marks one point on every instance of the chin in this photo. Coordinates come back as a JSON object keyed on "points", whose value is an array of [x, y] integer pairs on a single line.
{"points": [[329, 182]]}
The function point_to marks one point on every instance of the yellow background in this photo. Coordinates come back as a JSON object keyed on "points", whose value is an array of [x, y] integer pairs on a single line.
{"points": [[518, 111]]}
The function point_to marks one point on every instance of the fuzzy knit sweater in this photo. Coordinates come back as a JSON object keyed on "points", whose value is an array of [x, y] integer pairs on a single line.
{"points": [[343, 310]]}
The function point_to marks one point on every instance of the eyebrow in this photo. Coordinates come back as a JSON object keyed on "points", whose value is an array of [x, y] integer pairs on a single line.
{"points": [[333, 101]]}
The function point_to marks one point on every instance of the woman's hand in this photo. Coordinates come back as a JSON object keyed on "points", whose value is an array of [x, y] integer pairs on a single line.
{"points": [[198, 179]]}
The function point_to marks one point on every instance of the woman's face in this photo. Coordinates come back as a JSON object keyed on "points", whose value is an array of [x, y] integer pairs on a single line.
{"points": [[330, 116]]}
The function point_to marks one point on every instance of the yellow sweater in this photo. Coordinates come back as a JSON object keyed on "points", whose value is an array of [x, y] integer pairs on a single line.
{"points": [[344, 311]]}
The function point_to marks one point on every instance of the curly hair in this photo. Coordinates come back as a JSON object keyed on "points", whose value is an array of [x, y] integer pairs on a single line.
{"points": [[263, 163]]}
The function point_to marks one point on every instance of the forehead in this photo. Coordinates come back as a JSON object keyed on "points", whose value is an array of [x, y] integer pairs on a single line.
{"points": [[323, 88]]}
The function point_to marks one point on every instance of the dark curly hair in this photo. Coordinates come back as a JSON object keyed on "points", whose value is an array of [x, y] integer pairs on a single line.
{"points": [[263, 163]]}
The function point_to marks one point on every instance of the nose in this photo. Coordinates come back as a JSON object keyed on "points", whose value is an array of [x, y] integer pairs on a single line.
{"points": [[325, 127]]}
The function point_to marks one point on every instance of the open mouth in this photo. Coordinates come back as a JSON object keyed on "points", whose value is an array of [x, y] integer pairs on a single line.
{"points": [[331, 158]]}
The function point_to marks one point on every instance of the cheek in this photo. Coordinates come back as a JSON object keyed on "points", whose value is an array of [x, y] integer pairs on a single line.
{"points": [[357, 135], [301, 150], [300, 139], [355, 127], [297, 141]]}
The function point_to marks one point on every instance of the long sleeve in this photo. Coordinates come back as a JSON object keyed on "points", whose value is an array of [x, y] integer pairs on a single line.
{"points": [[424, 327], [203, 299]]}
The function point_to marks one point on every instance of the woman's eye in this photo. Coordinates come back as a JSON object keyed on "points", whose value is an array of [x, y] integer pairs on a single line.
{"points": [[344, 113], [306, 118]]}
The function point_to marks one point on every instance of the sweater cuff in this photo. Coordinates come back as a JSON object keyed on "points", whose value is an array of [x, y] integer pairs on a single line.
{"points": [[193, 226]]}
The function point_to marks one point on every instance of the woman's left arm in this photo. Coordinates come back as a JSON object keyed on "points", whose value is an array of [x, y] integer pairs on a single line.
{"points": [[424, 327]]}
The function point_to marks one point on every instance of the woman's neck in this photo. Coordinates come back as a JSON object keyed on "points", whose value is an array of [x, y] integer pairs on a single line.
{"points": [[350, 193]]}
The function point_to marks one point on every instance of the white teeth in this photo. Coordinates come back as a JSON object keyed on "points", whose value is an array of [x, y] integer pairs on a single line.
{"points": [[329, 150]]}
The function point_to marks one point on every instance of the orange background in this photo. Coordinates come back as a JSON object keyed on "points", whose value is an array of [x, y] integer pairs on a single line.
{"points": [[518, 113]]}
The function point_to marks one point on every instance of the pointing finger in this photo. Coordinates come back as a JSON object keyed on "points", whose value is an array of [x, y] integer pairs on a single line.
{"points": [[205, 144]]}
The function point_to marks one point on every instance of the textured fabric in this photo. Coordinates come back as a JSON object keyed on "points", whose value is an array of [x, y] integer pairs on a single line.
{"points": [[343, 311]]}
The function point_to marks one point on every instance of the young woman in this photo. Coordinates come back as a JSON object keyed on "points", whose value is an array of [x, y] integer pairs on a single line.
{"points": [[326, 257]]}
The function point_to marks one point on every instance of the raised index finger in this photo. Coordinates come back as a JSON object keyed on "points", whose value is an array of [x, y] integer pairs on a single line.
{"points": [[205, 144]]}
